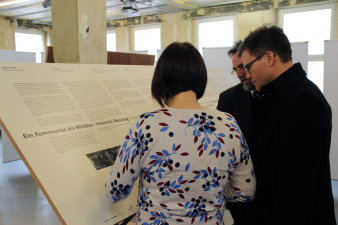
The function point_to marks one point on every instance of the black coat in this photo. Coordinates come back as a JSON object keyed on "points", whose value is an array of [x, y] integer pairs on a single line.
{"points": [[236, 101], [290, 141]]}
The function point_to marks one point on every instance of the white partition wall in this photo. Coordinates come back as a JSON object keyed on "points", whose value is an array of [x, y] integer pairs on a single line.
{"points": [[8, 150], [300, 53], [43, 56], [15, 56], [331, 94], [159, 52], [218, 57]]}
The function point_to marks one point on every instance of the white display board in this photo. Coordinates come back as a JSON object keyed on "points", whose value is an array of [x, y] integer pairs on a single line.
{"points": [[300, 53], [8, 151], [159, 53], [43, 57], [15, 56], [218, 57], [66, 122], [331, 94], [139, 52]]}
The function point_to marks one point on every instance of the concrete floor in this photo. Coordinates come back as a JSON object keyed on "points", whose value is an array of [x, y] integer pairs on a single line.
{"points": [[22, 202]]}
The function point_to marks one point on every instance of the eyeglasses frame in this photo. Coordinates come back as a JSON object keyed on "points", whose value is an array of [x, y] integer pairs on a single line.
{"points": [[248, 66], [240, 67]]}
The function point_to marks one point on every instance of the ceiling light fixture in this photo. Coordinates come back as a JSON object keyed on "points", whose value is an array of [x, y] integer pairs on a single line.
{"points": [[46, 3], [130, 11]]}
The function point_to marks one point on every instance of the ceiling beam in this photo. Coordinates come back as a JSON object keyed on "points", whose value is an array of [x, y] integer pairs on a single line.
{"points": [[43, 22], [179, 3], [20, 7], [31, 13]]}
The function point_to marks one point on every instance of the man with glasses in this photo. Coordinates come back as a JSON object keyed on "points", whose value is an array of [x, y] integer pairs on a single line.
{"points": [[290, 134], [236, 101]]}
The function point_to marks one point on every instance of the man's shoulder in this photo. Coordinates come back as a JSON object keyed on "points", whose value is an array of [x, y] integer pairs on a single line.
{"points": [[305, 96], [305, 88], [231, 90]]}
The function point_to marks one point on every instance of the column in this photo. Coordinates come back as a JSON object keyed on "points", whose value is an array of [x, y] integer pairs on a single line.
{"points": [[79, 31]]}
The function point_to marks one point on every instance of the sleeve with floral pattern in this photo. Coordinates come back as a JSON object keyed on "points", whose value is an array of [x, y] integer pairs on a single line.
{"points": [[126, 169], [241, 183]]}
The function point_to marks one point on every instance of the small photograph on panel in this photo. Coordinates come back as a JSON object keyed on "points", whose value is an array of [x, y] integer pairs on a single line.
{"points": [[104, 158]]}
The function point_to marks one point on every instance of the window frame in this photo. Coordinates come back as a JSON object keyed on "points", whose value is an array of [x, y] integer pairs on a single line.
{"points": [[313, 7], [215, 19], [29, 31], [108, 32], [144, 27]]}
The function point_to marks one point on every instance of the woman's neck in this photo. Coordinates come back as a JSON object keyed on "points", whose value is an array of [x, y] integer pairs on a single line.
{"points": [[184, 100]]}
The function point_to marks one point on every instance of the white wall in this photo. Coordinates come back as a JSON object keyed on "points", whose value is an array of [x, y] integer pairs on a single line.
{"points": [[331, 94]]}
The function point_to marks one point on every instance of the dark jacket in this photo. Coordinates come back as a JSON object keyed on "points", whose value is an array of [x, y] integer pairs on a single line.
{"points": [[236, 101], [290, 144]]}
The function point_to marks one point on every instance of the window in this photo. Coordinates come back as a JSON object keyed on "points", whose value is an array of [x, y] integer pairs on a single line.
{"points": [[29, 41], [111, 40], [215, 32], [312, 24], [147, 39]]}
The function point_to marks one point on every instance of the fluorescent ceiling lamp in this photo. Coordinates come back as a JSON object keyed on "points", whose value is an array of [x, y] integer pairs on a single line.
{"points": [[12, 2]]}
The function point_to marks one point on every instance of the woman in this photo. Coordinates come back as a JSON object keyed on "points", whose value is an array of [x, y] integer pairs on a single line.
{"points": [[190, 159]]}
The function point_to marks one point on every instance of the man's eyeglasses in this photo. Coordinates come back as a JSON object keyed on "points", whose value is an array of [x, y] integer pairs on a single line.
{"points": [[239, 68], [248, 66]]}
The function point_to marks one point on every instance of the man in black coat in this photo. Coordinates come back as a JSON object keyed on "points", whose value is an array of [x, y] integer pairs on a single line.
{"points": [[290, 136], [236, 101]]}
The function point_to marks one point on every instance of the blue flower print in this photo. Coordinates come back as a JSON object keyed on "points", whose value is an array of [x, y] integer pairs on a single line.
{"points": [[210, 177], [157, 218], [204, 128], [161, 160], [173, 187], [143, 202]]}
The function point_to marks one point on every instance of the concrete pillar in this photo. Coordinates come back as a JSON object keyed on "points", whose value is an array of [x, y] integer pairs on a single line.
{"points": [[250, 21], [7, 34], [175, 27], [122, 39], [79, 31]]}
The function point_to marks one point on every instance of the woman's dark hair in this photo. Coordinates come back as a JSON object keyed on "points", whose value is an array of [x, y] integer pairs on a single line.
{"points": [[179, 68], [267, 38]]}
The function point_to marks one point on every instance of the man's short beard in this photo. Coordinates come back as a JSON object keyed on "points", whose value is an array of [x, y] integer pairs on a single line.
{"points": [[250, 87]]}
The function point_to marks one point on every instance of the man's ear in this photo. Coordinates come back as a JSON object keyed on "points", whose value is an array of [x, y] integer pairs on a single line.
{"points": [[272, 57]]}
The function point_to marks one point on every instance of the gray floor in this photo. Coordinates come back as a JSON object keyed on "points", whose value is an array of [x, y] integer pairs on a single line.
{"points": [[22, 202]]}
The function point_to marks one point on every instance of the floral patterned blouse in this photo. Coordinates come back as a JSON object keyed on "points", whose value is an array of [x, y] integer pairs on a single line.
{"points": [[189, 162]]}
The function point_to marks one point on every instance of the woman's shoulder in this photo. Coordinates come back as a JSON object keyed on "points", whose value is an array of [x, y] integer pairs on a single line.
{"points": [[173, 113]]}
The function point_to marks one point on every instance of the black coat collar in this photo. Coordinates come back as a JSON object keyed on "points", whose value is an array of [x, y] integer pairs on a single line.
{"points": [[282, 83]]}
